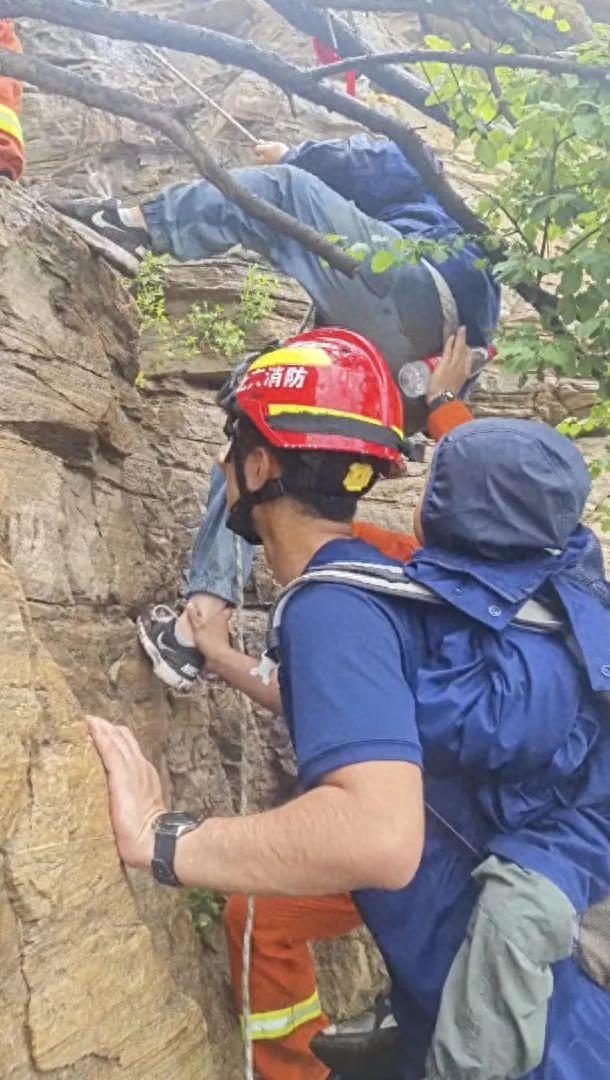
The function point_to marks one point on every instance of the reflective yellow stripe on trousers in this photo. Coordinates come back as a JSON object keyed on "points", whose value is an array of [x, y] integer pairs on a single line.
{"points": [[9, 122], [282, 1022]]}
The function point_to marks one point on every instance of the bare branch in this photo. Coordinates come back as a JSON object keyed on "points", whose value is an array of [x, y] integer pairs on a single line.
{"points": [[98, 96], [401, 84], [471, 58], [225, 49], [496, 19]]}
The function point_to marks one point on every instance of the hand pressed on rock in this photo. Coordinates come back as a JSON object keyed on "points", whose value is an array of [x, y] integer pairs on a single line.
{"points": [[136, 799]]}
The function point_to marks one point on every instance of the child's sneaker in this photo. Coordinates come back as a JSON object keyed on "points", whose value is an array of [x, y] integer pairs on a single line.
{"points": [[178, 666], [104, 216]]}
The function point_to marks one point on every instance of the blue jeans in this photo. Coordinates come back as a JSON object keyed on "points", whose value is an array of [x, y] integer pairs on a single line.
{"points": [[399, 310], [213, 567]]}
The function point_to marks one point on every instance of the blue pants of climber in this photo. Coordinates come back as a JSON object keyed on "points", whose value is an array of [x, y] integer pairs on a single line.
{"points": [[400, 310]]}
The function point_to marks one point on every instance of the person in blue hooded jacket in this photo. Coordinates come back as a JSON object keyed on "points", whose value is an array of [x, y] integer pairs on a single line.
{"points": [[361, 189], [509, 725]]}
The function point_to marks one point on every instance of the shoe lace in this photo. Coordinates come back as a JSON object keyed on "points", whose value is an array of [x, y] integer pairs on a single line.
{"points": [[163, 613]]}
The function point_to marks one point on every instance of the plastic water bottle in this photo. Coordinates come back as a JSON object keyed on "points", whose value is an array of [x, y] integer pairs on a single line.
{"points": [[414, 378]]}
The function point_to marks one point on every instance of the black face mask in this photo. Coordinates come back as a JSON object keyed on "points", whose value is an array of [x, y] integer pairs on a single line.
{"points": [[239, 521], [239, 518]]}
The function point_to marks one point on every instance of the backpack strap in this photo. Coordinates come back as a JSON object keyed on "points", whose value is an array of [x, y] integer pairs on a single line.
{"points": [[386, 581]]}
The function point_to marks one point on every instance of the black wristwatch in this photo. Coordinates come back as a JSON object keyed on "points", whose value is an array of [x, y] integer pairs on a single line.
{"points": [[441, 399], [168, 828]]}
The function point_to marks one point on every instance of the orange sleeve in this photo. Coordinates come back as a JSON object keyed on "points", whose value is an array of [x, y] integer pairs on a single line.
{"points": [[447, 417], [394, 545], [11, 135]]}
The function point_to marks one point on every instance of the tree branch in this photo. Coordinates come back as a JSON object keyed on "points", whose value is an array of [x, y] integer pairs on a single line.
{"points": [[225, 49], [401, 84], [98, 96], [471, 58], [493, 18], [168, 34]]}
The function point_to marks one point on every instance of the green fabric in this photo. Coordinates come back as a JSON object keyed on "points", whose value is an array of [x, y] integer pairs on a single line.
{"points": [[492, 1020]]}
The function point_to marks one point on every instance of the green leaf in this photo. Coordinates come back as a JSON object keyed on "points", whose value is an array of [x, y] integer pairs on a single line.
{"points": [[586, 125], [547, 13], [563, 26], [382, 261], [437, 43], [486, 153]]}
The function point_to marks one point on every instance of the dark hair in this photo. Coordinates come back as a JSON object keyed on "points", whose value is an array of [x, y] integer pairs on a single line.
{"points": [[313, 478]]}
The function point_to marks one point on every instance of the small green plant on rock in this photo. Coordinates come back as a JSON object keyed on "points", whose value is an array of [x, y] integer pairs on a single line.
{"points": [[204, 325], [149, 291], [206, 909]]}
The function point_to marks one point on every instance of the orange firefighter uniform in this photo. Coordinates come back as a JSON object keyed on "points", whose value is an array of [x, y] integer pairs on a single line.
{"points": [[12, 158]]}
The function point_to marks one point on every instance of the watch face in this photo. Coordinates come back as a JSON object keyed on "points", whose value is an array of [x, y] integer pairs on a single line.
{"points": [[174, 821]]}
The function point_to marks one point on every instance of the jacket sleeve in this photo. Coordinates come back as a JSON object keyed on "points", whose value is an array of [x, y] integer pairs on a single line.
{"points": [[372, 173], [447, 417], [11, 135]]}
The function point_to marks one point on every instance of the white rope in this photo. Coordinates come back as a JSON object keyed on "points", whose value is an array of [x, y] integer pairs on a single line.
{"points": [[245, 728], [202, 94]]}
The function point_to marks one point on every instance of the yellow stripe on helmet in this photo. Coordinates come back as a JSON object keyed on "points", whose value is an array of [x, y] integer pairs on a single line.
{"points": [[301, 357]]}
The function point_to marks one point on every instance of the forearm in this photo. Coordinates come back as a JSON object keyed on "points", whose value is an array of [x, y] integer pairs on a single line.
{"points": [[236, 669], [320, 843]]}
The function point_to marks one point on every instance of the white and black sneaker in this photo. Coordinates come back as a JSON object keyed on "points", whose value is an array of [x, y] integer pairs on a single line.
{"points": [[177, 665], [108, 218]]}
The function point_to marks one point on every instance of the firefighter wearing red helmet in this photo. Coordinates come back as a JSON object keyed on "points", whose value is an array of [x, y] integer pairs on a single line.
{"points": [[326, 390], [317, 418]]}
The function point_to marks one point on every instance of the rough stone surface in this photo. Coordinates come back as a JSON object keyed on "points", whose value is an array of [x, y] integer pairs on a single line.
{"points": [[70, 928], [100, 495]]}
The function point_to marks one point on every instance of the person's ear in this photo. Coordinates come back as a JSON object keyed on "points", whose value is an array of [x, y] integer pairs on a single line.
{"points": [[259, 467]]}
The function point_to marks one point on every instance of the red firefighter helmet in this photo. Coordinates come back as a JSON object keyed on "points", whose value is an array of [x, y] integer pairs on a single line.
{"points": [[327, 389]]}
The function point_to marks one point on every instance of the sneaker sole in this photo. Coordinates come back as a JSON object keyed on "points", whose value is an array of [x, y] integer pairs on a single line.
{"points": [[161, 668]]}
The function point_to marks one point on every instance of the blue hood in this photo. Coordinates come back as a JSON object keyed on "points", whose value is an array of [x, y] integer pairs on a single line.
{"points": [[504, 490], [501, 521]]}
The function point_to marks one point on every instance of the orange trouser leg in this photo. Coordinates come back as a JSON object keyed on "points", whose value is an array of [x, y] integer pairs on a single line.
{"points": [[11, 137], [283, 990]]}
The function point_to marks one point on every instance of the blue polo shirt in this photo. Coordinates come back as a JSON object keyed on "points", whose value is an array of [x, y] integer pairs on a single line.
{"points": [[516, 760]]}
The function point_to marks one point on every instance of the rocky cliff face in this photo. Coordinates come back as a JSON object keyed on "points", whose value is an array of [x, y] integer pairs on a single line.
{"points": [[100, 494]]}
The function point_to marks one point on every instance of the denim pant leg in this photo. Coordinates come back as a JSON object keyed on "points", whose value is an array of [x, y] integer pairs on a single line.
{"points": [[398, 310], [213, 566]]}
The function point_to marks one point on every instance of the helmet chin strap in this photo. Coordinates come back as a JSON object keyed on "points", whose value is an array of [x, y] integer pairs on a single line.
{"points": [[239, 517]]}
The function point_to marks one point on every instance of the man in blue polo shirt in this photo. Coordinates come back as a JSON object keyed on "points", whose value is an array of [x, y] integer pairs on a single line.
{"points": [[507, 723]]}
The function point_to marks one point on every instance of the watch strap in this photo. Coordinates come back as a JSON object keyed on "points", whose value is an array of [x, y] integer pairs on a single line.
{"points": [[168, 829], [163, 859]]}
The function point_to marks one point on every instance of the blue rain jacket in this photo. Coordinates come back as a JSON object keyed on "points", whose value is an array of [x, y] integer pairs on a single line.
{"points": [[512, 730], [380, 181]]}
